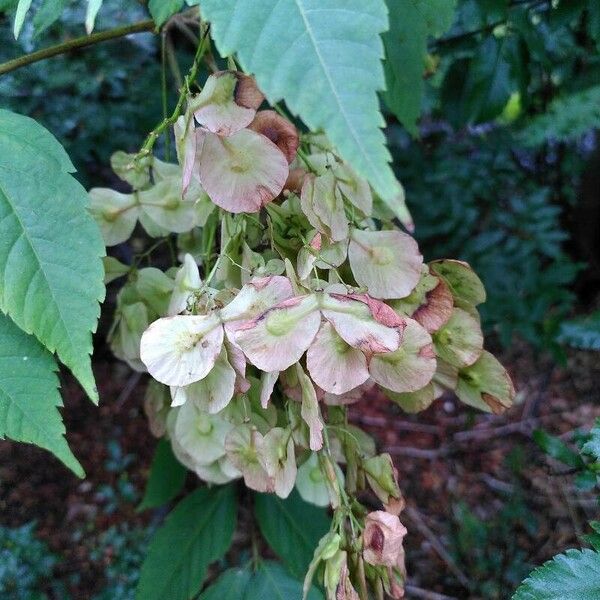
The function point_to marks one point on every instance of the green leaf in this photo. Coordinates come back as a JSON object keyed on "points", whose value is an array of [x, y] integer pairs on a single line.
{"points": [[592, 446], [231, 585], [48, 13], [29, 394], [272, 581], [162, 10], [594, 22], [167, 476], [585, 481], [292, 528], [583, 333], [8, 5], [594, 538], [557, 449], [324, 59], [574, 574], [411, 23], [35, 143], [197, 532], [51, 273], [90, 14], [477, 89], [113, 269], [22, 9]]}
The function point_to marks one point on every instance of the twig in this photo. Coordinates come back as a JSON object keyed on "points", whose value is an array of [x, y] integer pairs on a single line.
{"points": [[532, 403], [127, 389], [423, 528], [400, 425], [571, 510], [80, 42], [417, 452], [486, 28], [184, 92], [418, 592], [486, 433], [497, 484]]}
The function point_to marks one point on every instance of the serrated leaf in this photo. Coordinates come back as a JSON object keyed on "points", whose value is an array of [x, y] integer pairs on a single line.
{"points": [[29, 394], [162, 10], [231, 585], [197, 532], [93, 6], [411, 23], [22, 8], [583, 333], [323, 57], [51, 273], [574, 574], [272, 581], [292, 528], [166, 479]]}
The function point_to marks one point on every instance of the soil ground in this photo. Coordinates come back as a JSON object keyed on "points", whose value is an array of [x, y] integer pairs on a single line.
{"points": [[448, 458]]}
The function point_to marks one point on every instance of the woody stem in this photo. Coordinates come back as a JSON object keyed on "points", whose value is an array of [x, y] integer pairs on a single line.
{"points": [[74, 44]]}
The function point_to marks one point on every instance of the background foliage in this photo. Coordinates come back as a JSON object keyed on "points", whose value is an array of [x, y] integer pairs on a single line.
{"points": [[491, 172]]}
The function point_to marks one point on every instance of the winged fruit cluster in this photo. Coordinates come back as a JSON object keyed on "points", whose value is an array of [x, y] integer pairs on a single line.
{"points": [[313, 297]]}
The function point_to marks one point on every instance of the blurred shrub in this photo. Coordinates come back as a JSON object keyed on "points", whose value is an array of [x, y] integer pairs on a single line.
{"points": [[26, 564], [95, 100], [478, 200], [582, 333], [122, 550], [488, 549]]}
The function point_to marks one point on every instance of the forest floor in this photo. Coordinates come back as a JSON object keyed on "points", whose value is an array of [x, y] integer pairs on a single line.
{"points": [[484, 504]]}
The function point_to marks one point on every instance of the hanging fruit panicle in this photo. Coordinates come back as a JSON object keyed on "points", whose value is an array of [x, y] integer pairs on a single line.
{"points": [[314, 298]]}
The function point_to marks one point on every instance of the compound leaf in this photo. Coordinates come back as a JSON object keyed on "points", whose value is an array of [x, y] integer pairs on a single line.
{"points": [[51, 273], [324, 58], [574, 574], [29, 394]]}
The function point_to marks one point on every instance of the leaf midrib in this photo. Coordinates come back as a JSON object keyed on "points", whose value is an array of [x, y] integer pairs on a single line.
{"points": [[25, 234], [292, 523], [330, 82], [192, 540]]}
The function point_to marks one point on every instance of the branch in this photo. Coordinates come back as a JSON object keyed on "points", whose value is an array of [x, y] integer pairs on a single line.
{"points": [[80, 42], [184, 92], [529, 4]]}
